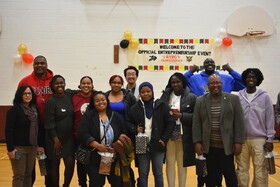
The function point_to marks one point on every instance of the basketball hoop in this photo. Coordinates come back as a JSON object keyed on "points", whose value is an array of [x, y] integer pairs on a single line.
{"points": [[255, 33]]}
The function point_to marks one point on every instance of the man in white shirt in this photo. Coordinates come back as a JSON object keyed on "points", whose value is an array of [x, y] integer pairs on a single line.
{"points": [[131, 75]]}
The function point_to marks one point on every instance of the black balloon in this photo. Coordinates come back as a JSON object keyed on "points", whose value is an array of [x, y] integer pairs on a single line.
{"points": [[124, 43]]}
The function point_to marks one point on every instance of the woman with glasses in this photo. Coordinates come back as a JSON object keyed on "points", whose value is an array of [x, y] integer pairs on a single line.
{"points": [[120, 100], [24, 136]]}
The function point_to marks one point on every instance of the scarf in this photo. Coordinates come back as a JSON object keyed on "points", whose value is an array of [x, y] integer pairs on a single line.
{"points": [[148, 105], [124, 149], [32, 115]]}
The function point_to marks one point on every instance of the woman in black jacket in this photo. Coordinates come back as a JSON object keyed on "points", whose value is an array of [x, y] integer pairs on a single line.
{"points": [[24, 135], [100, 128], [180, 147], [153, 117], [121, 101]]}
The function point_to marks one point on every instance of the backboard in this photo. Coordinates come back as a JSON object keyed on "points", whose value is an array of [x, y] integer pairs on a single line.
{"points": [[250, 20]]}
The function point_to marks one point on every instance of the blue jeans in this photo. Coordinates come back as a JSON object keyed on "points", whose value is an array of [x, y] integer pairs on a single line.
{"points": [[144, 168]]}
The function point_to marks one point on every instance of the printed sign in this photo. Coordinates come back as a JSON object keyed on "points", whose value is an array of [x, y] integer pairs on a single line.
{"points": [[171, 54]]}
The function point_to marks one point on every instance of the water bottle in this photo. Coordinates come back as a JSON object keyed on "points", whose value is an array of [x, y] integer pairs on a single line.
{"points": [[42, 163]]}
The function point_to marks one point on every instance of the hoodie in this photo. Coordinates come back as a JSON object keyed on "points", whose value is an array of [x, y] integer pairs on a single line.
{"points": [[198, 83], [258, 114], [41, 88]]}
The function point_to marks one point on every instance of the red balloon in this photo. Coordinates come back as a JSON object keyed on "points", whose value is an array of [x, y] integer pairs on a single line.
{"points": [[27, 58], [227, 41]]}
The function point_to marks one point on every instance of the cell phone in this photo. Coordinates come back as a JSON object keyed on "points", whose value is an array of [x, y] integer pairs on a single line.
{"points": [[17, 155]]}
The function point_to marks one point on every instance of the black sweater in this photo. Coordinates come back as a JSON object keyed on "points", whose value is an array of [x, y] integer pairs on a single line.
{"points": [[17, 129]]}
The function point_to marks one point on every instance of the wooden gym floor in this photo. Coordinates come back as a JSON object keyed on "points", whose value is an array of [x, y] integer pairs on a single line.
{"points": [[6, 172]]}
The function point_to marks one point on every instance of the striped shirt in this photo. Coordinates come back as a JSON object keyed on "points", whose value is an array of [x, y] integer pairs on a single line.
{"points": [[216, 136]]}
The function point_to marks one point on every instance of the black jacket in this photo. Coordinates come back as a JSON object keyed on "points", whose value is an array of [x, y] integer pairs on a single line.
{"points": [[187, 103], [89, 130], [17, 129], [162, 123], [128, 99]]}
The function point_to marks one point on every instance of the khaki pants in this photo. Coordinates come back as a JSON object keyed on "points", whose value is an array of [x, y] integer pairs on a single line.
{"points": [[175, 154], [23, 167], [252, 148]]}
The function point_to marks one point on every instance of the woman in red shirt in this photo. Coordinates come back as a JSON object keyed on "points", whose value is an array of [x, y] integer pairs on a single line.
{"points": [[80, 102]]}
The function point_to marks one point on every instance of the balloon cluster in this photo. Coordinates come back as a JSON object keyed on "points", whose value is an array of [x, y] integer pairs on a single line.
{"points": [[23, 55], [223, 39], [128, 41]]}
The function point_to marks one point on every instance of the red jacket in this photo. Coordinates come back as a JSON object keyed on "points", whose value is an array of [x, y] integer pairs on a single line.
{"points": [[42, 89]]}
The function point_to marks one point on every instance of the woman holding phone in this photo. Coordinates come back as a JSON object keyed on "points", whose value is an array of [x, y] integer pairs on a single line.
{"points": [[24, 136]]}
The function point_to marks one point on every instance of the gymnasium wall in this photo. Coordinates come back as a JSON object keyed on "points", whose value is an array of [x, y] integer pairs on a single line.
{"points": [[77, 37]]}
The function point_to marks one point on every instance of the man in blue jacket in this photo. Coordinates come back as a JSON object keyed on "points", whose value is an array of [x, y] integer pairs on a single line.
{"points": [[198, 82]]}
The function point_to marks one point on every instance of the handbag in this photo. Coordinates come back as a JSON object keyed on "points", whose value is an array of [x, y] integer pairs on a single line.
{"points": [[141, 141], [82, 154], [105, 163], [270, 163]]}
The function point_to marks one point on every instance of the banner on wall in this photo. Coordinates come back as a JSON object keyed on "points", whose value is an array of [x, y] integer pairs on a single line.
{"points": [[171, 54]]}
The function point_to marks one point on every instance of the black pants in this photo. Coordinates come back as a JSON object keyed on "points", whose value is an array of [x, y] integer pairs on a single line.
{"points": [[82, 175], [81, 170], [216, 161], [98, 180], [202, 180], [48, 179]]}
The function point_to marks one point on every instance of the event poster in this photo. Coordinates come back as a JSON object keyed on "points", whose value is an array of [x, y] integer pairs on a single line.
{"points": [[171, 54]]}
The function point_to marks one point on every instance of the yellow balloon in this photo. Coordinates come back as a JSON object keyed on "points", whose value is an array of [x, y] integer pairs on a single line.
{"points": [[22, 49], [127, 35], [134, 43]]}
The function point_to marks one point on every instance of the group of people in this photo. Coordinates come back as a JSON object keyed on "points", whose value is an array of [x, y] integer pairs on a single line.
{"points": [[195, 115]]}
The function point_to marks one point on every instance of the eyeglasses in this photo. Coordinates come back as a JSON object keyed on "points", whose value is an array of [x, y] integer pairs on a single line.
{"points": [[213, 83], [131, 74], [27, 93]]}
